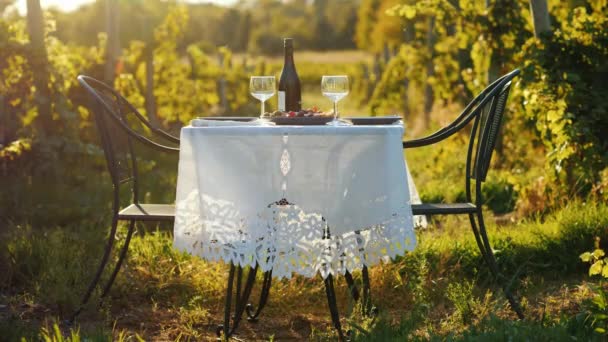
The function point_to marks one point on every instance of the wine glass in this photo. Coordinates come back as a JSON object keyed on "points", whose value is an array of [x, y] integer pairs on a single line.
{"points": [[335, 88], [262, 88]]}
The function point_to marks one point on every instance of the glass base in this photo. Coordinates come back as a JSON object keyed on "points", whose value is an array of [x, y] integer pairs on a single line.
{"points": [[263, 122], [340, 122]]}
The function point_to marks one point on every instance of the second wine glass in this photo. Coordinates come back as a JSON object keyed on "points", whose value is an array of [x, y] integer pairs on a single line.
{"points": [[262, 88], [335, 88]]}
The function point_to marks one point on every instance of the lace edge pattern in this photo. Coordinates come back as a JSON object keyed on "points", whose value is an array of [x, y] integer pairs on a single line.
{"points": [[284, 238]]}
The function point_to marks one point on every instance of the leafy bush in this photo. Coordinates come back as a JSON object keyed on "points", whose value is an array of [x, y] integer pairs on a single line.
{"points": [[579, 225], [596, 309], [461, 296], [564, 94], [499, 194], [560, 95], [495, 329]]}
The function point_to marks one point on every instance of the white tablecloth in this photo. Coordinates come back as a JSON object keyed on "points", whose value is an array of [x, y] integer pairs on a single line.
{"points": [[294, 199]]}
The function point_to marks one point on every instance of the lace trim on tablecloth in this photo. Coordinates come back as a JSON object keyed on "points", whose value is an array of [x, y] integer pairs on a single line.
{"points": [[285, 238]]}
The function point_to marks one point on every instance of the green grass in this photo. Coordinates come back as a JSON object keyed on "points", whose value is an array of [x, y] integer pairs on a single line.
{"points": [[440, 291]]}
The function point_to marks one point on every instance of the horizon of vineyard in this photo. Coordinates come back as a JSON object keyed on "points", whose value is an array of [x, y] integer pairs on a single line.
{"points": [[315, 56]]}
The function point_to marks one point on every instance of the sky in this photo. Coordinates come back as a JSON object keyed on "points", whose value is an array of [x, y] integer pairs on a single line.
{"points": [[70, 5]]}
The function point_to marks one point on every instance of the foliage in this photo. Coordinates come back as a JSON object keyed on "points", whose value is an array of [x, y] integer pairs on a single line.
{"points": [[499, 193], [596, 314], [599, 264], [255, 27], [560, 94], [31, 176], [494, 329], [55, 335], [391, 90], [578, 225], [461, 295], [366, 16], [491, 35], [564, 95], [181, 90]]}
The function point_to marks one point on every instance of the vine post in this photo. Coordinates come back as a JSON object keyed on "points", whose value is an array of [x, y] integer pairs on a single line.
{"points": [[113, 43], [430, 71], [540, 16], [38, 60]]}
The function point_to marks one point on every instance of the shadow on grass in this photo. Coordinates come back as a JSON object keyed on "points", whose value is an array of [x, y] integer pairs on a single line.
{"points": [[174, 294]]}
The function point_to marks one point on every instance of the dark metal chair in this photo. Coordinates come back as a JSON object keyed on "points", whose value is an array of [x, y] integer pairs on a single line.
{"points": [[485, 112], [120, 125]]}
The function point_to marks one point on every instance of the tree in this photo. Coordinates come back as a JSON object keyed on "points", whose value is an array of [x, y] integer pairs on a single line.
{"points": [[430, 72], [408, 37], [387, 32], [244, 33], [366, 18], [493, 69], [323, 31], [38, 60], [343, 25], [148, 56], [230, 28]]}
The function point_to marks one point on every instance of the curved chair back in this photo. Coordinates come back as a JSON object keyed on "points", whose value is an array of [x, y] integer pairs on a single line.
{"points": [[120, 125], [487, 114]]}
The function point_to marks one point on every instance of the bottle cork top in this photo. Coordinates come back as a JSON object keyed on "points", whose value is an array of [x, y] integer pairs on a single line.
{"points": [[288, 42]]}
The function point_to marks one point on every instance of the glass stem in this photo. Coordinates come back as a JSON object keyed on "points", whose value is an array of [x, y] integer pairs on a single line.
{"points": [[262, 110], [335, 110]]}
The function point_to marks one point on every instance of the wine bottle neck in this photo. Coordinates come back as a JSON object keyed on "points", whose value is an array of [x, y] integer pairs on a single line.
{"points": [[288, 56]]}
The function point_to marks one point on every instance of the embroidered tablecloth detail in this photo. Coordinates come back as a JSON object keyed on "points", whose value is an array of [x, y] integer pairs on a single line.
{"points": [[297, 200]]}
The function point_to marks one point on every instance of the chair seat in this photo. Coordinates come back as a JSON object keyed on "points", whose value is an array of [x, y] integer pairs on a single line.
{"points": [[443, 208], [148, 212]]}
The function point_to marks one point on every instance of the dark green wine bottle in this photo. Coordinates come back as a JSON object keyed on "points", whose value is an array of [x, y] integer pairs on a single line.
{"points": [[290, 94]]}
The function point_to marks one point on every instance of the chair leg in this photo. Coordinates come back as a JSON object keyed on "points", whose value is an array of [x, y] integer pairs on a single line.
{"points": [[491, 261], [333, 306], [482, 247], [102, 265], [123, 254], [252, 315], [241, 298]]}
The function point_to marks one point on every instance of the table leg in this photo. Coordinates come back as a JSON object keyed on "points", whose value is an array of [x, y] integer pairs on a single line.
{"points": [[241, 298], [252, 315], [368, 308], [354, 291], [333, 306]]}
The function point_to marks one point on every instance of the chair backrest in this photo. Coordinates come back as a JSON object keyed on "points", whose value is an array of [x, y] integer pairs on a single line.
{"points": [[488, 114], [120, 126]]}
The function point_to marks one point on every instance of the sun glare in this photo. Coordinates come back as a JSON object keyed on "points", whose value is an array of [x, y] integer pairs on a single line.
{"points": [[70, 5]]}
